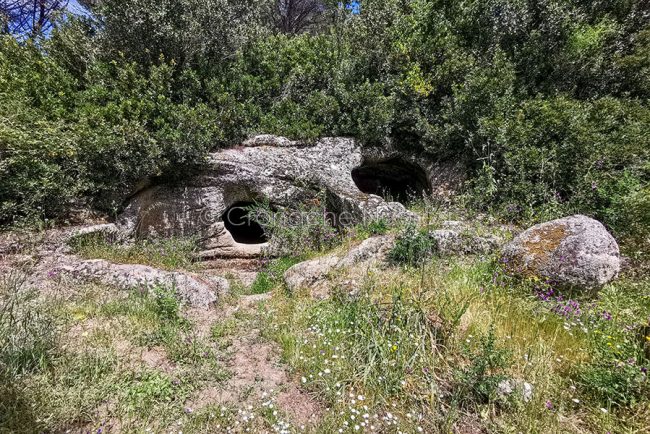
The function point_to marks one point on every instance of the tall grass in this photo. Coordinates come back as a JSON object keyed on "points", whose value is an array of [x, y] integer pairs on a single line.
{"points": [[28, 331]]}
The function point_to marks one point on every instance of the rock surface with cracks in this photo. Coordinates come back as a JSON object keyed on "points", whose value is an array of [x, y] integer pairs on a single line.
{"points": [[369, 255], [44, 272], [266, 168]]}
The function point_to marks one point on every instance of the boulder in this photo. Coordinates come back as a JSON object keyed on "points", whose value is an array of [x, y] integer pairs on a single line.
{"points": [[371, 251], [574, 251], [311, 274], [49, 272], [266, 169]]}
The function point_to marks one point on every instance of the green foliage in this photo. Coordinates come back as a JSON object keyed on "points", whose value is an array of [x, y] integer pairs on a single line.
{"points": [[373, 227], [93, 140], [560, 156], [477, 382], [167, 305], [412, 246], [546, 103], [147, 389], [190, 33], [619, 339], [263, 283], [273, 274], [298, 232]]}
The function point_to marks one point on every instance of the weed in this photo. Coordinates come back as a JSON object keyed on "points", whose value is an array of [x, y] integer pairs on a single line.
{"points": [[412, 247], [301, 231], [167, 305], [372, 227], [148, 388], [478, 381]]}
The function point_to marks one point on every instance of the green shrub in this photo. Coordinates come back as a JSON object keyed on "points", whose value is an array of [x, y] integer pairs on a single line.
{"points": [[619, 338], [146, 389], [561, 156], [477, 382], [300, 231], [64, 144], [546, 104], [372, 227], [412, 246], [167, 306]]}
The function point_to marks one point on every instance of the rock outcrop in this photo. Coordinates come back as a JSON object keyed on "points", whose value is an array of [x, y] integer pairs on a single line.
{"points": [[321, 274], [282, 173], [574, 251], [458, 238], [193, 290], [311, 274], [46, 273]]}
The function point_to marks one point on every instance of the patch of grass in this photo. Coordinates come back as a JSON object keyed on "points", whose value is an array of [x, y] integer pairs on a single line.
{"points": [[477, 382], [93, 376], [429, 346], [372, 227], [28, 331], [167, 254], [221, 332], [146, 389], [272, 275]]}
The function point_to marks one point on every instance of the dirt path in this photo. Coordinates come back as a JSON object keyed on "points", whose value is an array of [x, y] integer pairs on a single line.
{"points": [[257, 373]]}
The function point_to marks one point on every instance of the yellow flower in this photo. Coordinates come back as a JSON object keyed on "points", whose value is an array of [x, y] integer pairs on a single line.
{"points": [[79, 316], [394, 348]]}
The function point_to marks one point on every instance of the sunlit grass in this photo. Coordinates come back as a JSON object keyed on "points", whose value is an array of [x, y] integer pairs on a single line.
{"points": [[403, 343]]}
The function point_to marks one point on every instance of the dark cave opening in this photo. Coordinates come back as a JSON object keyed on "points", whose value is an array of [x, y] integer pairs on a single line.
{"points": [[243, 228], [394, 180]]}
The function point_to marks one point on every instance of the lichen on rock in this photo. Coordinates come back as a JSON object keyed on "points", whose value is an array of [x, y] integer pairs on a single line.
{"points": [[575, 251]]}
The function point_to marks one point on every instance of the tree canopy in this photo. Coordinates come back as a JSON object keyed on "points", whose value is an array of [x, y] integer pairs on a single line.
{"points": [[544, 102]]}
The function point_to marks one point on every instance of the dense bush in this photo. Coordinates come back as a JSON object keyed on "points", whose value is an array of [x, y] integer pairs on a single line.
{"points": [[546, 102], [63, 140]]}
